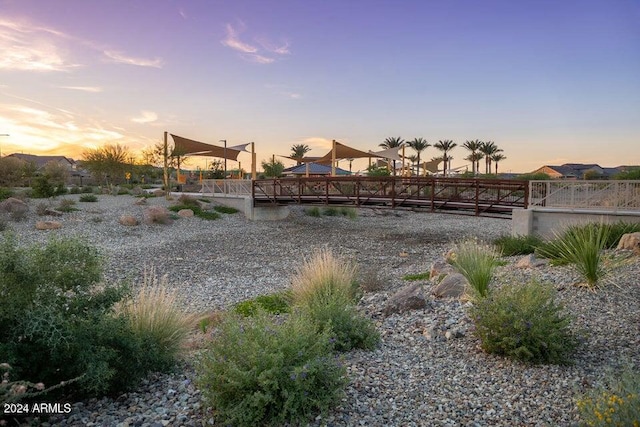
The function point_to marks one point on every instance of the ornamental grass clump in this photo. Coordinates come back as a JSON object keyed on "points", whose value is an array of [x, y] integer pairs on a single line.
{"points": [[258, 372], [517, 245], [154, 316], [476, 262], [616, 403], [581, 246], [325, 288], [523, 322]]}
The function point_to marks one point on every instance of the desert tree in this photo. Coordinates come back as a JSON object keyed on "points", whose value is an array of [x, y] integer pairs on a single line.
{"points": [[272, 168], [445, 146], [107, 163]]}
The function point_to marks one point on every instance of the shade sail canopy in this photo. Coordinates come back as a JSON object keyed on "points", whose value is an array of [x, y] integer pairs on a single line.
{"points": [[189, 147], [345, 152], [431, 166], [389, 153]]}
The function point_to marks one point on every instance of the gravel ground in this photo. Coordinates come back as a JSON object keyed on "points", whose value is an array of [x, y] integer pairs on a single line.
{"points": [[411, 379]]}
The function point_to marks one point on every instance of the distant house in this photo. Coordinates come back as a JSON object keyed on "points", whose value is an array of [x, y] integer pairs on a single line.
{"points": [[315, 169], [580, 171], [41, 161]]}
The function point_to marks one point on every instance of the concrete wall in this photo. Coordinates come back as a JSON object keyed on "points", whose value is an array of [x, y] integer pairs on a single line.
{"points": [[245, 204], [545, 222]]}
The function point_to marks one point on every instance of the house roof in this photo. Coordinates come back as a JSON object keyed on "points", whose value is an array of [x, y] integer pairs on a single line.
{"points": [[40, 161], [314, 169], [578, 169]]}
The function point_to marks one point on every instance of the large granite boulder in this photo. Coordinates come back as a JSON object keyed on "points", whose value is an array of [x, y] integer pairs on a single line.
{"points": [[452, 286], [409, 298], [630, 241]]}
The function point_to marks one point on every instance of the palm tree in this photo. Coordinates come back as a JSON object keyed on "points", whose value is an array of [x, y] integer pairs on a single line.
{"points": [[498, 158], [445, 146], [393, 142], [298, 151], [419, 145], [489, 148], [474, 147], [414, 159]]}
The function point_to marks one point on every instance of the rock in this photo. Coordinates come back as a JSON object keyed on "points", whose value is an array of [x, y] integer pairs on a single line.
{"points": [[128, 220], [157, 215], [630, 241], [530, 261], [141, 201], [12, 204], [452, 286], [48, 225], [185, 213], [410, 297], [137, 191], [440, 267], [158, 193]]}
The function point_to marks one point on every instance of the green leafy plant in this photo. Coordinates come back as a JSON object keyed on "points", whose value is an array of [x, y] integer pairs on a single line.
{"points": [[350, 213], [615, 403], [275, 303], [418, 276], [582, 247], [313, 211], [197, 211], [42, 188], [259, 372], [517, 245], [330, 211], [476, 262], [5, 193], [67, 205], [88, 198], [523, 322], [225, 209]]}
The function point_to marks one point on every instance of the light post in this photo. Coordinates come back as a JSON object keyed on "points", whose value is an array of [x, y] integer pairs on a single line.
{"points": [[2, 134], [225, 157]]}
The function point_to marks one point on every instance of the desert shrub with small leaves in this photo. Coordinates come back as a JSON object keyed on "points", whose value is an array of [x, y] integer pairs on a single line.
{"points": [[5, 193], [259, 372], [157, 215], [88, 198], [523, 322], [371, 280], [615, 403], [330, 211], [276, 303], [350, 213], [42, 188], [67, 205], [41, 208], [74, 190]]}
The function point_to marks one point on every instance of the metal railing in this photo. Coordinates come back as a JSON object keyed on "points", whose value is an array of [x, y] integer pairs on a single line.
{"points": [[611, 196], [452, 194], [234, 187]]}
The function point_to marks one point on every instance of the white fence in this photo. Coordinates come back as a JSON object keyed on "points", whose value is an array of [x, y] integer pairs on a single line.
{"points": [[613, 196], [234, 187]]}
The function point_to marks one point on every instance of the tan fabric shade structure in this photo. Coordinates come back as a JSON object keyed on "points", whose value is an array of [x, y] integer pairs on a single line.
{"points": [[389, 153], [195, 148], [345, 152], [431, 166]]}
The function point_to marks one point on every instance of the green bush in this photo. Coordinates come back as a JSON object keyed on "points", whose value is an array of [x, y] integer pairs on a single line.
{"points": [[67, 205], [476, 262], [42, 188], [57, 321], [88, 198], [581, 246], [417, 276], [197, 211], [523, 322], [5, 193], [517, 245], [330, 211], [258, 372], [225, 209], [276, 303], [616, 403], [349, 212], [313, 211]]}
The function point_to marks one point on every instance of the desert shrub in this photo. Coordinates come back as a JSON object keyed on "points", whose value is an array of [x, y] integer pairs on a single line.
{"points": [[313, 211], [5, 193], [41, 208], [476, 262], [157, 321], [581, 246], [87, 189], [60, 190], [187, 200], [122, 192], [67, 205], [258, 372], [371, 280], [57, 321], [325, 288], [197, 211], [350, 213], [88, 198], [74, 190], [330, 211], [517, 245], [208, 215], [157, 215], [42, 188], [523, 322], [615, 403], [225, 209], [275, 303], [418, 276]]}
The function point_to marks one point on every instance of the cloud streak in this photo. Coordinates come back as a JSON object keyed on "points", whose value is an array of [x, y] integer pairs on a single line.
{"points": [[267, 53], [121, 58], [145, 117], [91, 89]]}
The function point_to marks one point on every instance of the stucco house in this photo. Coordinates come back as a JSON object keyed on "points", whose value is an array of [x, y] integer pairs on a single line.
{"points": [[579, 171]]}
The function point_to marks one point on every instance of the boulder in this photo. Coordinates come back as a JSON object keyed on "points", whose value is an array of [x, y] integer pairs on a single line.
{"points": [[158, 193], [185, 213], [157, 215], [530, 261], [137, 191], [630, 241], [440, 267], [128, 220], [141, 201], [410, 297], [12, 205], [452, 286], [48, 225]]}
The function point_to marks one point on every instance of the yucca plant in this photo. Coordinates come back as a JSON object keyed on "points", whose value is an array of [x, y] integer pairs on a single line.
{"points": [[582, 247], [154, 316], [476, 262]]}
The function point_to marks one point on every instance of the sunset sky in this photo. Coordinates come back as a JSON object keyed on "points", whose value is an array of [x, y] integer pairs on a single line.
{"points": [[549, 82]]}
